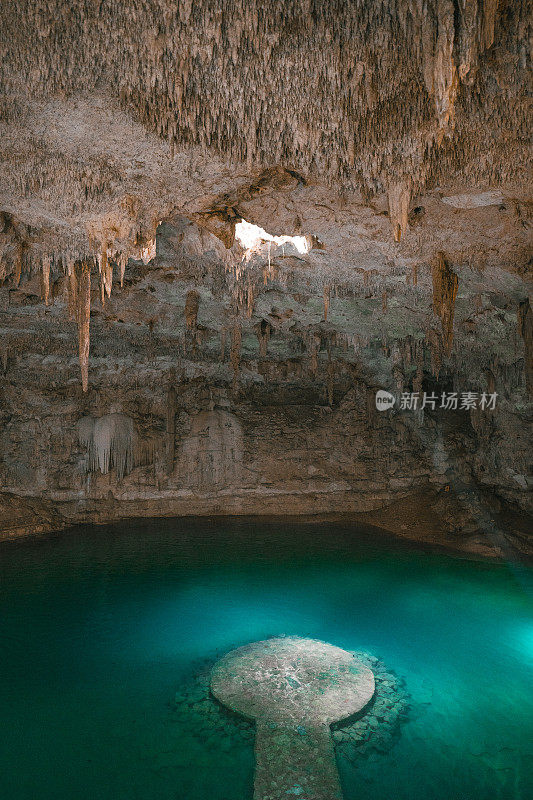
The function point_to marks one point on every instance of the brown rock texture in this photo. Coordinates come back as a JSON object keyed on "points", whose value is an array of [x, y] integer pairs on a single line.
{"points": [[445, 285], [382, 151]]}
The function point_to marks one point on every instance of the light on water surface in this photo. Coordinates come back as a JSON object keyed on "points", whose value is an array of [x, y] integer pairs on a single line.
{"points": [[101, 628]]}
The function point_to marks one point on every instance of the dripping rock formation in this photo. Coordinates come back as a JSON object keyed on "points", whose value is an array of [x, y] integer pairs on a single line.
{"points": [[224, 226]]}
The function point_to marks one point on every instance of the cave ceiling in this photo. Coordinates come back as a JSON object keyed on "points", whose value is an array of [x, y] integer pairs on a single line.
{"points": [[392, 135], [149, 105]]}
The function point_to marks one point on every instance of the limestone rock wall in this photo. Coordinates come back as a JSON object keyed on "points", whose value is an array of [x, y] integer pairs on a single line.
{"points": [[260, 457], [210, 457], [200, 374], [232, 381]]}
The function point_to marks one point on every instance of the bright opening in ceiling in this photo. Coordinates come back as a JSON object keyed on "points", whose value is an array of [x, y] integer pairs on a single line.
{"points": [[252, 236]]}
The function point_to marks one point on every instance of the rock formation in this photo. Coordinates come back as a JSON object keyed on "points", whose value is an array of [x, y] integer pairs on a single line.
{"points": [[111, 442], [445, 284], [234, 223]]}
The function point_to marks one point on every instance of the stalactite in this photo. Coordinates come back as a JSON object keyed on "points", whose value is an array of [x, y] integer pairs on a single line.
{"points": [[263, 331], [46, 279], [330, 379], [192, 304], [148, 252], [111, 442], [99, 260], [418, 378], [171, 428], [525, 326], [102, 290], [399, 199], [434, 340], [250, 299], [72, 285], [85, 433], [327, 295], [107, 273], [83, 315], [347, 340], [476, 34], [19, 260], [440, 71], [445, 285], [313, 353], [123, 259], [235, 351]]}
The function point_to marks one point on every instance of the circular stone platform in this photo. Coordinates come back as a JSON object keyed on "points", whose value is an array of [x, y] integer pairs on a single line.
{"points": [[291, 679], [294, 689]]}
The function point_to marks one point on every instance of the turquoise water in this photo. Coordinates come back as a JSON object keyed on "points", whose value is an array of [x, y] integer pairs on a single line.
{"points": [[100, 627]]}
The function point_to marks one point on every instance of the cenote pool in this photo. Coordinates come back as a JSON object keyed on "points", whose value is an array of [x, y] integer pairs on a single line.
{"points": [[103, 629]]}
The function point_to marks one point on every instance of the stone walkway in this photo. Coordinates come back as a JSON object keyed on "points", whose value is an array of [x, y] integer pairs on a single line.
{"points": [[294, 689]]}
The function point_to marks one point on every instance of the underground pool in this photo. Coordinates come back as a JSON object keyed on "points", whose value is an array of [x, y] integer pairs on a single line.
{"points": [[109, 636]]}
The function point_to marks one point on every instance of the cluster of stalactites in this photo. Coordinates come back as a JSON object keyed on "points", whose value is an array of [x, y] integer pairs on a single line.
{"points": [[78, 273], [111, 442], [363, 92], [110, 253]]}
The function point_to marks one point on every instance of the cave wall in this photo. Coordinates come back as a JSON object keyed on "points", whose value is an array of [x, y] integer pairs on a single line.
{"points": [[265, 456], [223, 381], [150, 362]]}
